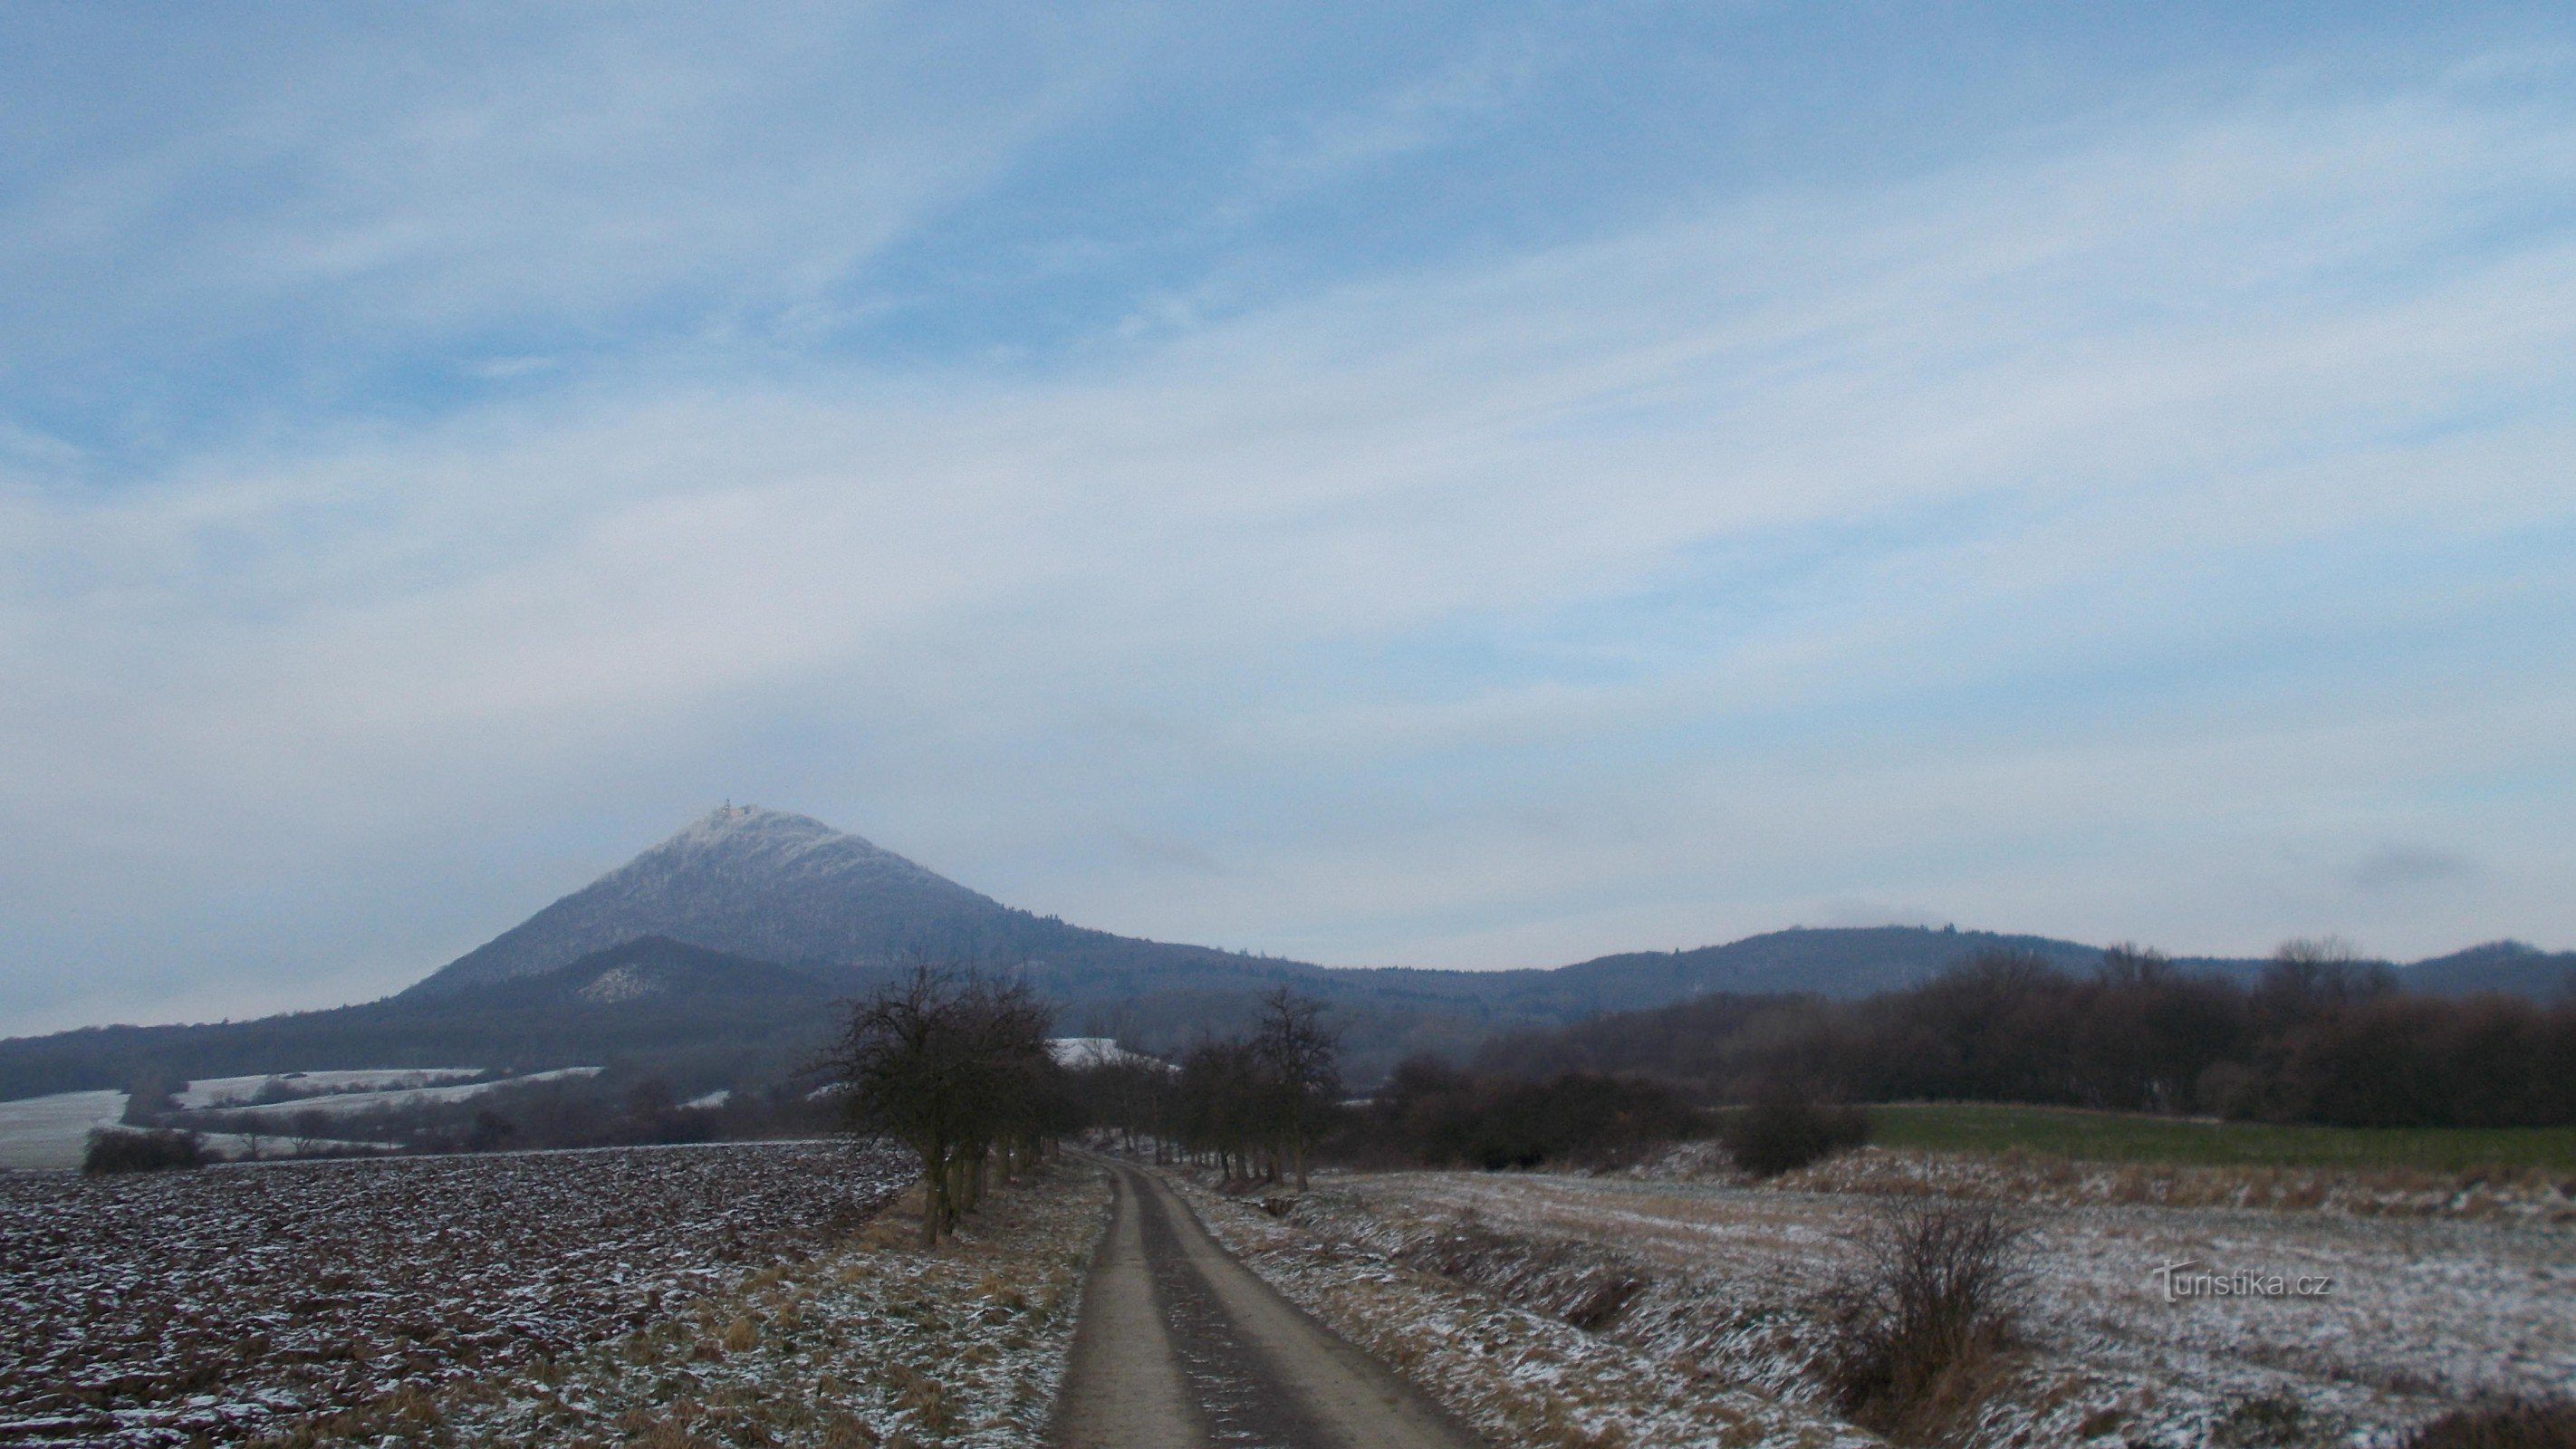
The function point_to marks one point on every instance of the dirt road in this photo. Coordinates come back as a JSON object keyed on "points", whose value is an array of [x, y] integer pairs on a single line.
{"points": [[1179, 1347]]}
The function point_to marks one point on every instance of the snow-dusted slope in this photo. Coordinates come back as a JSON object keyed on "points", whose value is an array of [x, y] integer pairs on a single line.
{"points": [[37, 1132], [757, 882], [238, 1091]]}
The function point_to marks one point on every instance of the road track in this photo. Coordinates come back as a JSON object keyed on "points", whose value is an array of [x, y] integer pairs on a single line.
{"points": [[1181, 1347]]}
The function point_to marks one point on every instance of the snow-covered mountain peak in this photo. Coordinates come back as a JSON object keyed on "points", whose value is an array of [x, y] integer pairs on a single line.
{"points": [[769, 884], [758, 825]]}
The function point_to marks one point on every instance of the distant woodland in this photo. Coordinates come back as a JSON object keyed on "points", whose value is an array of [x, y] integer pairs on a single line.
{"points": [[2317, 1036]]}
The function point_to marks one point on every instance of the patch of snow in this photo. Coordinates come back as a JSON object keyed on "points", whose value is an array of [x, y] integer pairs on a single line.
{"points": [[618, 983], [51, 1132], [709, 1102], [277, 1146], [1083, 1053]]}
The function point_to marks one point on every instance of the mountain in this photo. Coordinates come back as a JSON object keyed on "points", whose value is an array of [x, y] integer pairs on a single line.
{"points": [[723, 948], [763, 883], [700, 1017], [1840, 962], [2507, 966], [656, 971]]}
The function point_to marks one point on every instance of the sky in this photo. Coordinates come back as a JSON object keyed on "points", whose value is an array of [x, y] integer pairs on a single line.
{"points": [[1445, 485]]}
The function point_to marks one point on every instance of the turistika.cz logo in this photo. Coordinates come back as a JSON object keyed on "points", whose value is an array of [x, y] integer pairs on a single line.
{"points": [[2178, 1282]]}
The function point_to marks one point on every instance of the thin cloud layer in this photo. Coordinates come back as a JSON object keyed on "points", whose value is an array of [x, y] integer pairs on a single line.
{"points": [[2124, 527]]}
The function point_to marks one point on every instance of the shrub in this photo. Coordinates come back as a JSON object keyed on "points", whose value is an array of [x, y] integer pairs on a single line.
{"points": [[2509, 1424], [1920, 1323], [115, 1150], [2273, 1421], [1783, 1130], [1435, 1115]]}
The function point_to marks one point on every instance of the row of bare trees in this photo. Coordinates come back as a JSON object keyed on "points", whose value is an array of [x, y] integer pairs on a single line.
{"points": [[956, 1068], [1253, 1105], [1257, 1104]]}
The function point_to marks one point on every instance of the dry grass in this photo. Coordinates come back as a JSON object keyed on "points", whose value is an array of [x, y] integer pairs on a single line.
{"points": [[865, 1347], [1924, 1321]]}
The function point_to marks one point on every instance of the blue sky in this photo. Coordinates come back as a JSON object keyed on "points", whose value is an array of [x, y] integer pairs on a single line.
{"points": [[1476, 486]]}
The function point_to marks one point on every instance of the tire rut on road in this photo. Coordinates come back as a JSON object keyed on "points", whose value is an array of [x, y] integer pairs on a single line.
{"points": [[1179, 1345]]}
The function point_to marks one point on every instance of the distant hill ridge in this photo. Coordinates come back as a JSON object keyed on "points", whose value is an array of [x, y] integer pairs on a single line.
{"points": [[732, 936]]}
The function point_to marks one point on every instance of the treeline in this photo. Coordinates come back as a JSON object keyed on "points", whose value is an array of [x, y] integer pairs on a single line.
{"points": [[1431, 1114], [1254, 1105], [1258, 1107], [2321, 1036]]}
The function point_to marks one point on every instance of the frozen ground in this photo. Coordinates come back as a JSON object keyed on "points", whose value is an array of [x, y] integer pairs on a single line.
{"points": [[872, 1342], [1517, 1373], [51, 1132], [2526, 1195], [232, 1302], [1716, 1280]]}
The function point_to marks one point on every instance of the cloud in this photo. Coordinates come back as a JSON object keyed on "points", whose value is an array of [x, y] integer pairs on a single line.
{"points": [[308, 219], [2393, 868], [2094, 540]]}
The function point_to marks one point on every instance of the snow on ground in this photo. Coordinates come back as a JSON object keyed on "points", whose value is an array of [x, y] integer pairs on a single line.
{"points": [[52, 1132], [237, 1091], [877, 1341], [2529, 1194], [231, 1302], [270, 1147], [1513, 1375], [351, 1103], [1083, 1053], [1722, 1279]]}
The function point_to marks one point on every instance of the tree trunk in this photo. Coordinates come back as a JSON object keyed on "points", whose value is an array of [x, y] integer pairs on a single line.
{"points": [[934, 1196]]}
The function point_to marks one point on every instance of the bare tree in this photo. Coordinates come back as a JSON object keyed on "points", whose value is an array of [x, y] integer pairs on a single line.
{"points": [[950, 1066], [1300, 1054], [2306, 977], [1221, 1103], [310, 1129]]}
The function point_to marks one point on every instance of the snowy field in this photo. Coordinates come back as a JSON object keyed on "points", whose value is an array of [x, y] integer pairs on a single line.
{"points": [[237, 1091], [228, 1303], [1718, 1282], [51, 1132], [362, 1092]]}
